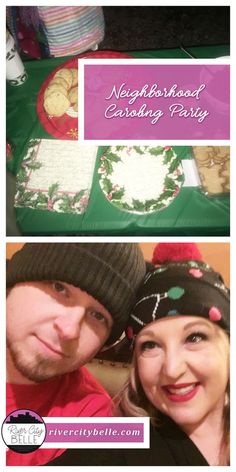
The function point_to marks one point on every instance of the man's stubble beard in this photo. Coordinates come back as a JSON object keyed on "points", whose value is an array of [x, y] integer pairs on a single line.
{"points": [[40, 368]]}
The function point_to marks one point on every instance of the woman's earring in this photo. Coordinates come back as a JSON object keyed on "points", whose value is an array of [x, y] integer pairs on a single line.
{"points": [[226, 403]]}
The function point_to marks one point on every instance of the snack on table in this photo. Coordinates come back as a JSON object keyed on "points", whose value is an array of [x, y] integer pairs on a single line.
{"points": [[213, 163], [73, 95], [66, 74], [56, 104], [75, 77], [62, 92], [65, 126], [61, 81], [55, 87]]}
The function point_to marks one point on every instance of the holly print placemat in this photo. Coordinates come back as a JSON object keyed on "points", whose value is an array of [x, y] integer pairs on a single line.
{"points": [[56, 176]]}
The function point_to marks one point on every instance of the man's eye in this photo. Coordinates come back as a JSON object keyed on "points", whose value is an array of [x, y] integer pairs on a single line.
{"points": [[98, 316], [59, 287], [196, 337]]}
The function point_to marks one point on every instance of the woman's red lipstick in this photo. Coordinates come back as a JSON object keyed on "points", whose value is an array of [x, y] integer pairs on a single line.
{"points": [[181, 392]]}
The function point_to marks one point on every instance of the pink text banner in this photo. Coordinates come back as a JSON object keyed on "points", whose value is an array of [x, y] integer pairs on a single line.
{"points": [[134, 101]]}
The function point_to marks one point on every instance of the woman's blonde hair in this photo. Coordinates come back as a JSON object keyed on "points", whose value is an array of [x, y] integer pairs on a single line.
{"points": [[132, 401]]}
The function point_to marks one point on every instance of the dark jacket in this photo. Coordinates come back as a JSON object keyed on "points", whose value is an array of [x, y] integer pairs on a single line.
{"points": [[169, 446]]}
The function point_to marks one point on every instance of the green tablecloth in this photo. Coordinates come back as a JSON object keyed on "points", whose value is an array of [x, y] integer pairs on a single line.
{"points": [[198, 52], [192, 213]]}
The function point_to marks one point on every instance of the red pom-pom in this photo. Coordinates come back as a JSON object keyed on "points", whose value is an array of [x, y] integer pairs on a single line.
{"points": [[166, 252]]}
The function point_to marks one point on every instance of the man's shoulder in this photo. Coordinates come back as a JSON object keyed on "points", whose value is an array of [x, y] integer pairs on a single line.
{"points": [[85, 380], [93, 398]]}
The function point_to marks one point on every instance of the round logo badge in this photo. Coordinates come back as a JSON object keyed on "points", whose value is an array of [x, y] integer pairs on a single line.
{"points": [[23, 431]]}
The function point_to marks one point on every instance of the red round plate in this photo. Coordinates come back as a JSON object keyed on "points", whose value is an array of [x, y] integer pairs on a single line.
{"points": [[65, 126]]}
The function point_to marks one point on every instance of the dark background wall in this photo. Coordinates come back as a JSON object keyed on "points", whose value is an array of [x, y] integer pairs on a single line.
{"points": [[132, 28]]}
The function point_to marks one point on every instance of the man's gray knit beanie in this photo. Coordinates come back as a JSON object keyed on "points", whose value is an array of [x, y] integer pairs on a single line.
{"points": [[110, 272]]}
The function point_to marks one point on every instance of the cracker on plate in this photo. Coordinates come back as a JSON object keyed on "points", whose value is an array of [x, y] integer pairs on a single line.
{"points": [[54, 87], [75, 76], [61, 81], [73, 95], [62, 84], [66, 74], [56, 104]]}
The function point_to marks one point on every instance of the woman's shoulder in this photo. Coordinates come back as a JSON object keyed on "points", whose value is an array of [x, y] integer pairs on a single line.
{"points": [[168, 442]]}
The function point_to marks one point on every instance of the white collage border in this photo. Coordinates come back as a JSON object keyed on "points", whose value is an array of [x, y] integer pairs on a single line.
{"points": [[231, 239]]}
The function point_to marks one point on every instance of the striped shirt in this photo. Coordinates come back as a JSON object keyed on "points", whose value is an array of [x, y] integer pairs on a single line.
{"points": [[72, 30]]}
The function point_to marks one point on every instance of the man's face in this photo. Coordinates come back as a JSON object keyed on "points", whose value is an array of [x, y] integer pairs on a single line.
{"points": [[53, 328]]}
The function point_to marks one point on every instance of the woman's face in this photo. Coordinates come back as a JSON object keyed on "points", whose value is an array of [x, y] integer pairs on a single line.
{"points": [[183, 366]]}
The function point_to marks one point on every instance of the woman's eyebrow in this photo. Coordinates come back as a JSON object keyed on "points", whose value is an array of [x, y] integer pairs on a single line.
{"points": [[196, 323], [191, 324], [148, 332]]}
